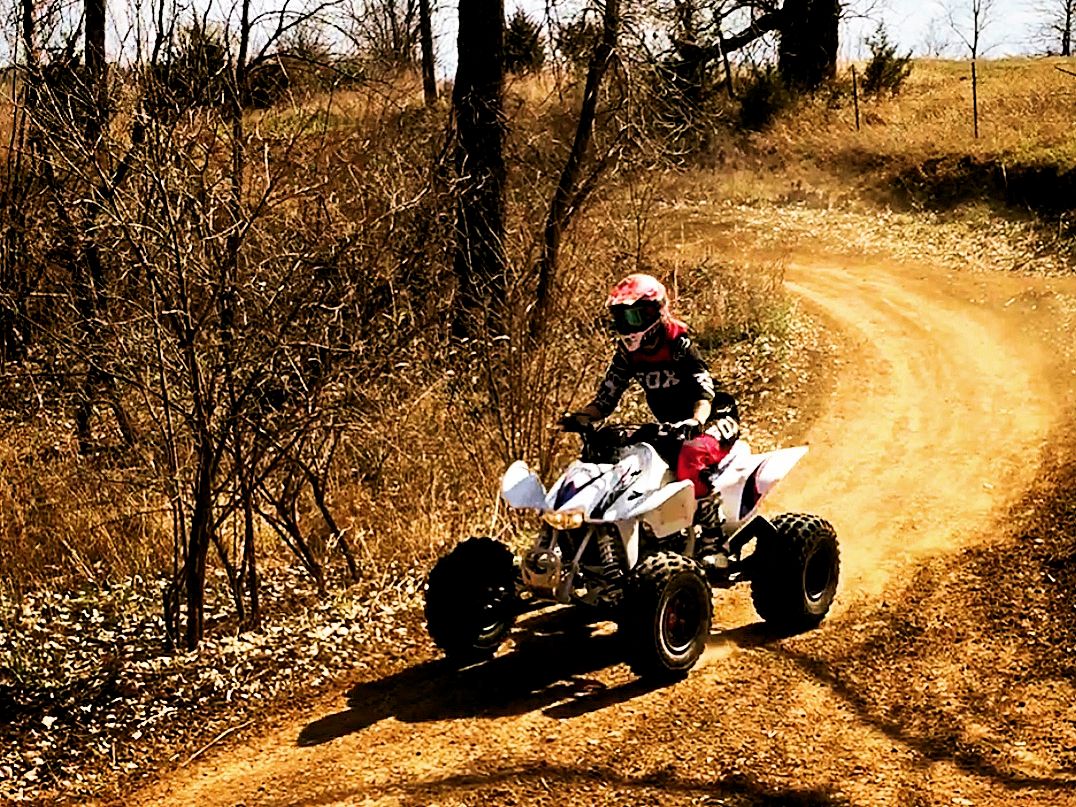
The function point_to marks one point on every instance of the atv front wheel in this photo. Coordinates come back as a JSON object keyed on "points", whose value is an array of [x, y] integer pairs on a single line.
{"points": [[471, 599], [666, 617], [794, 572]]}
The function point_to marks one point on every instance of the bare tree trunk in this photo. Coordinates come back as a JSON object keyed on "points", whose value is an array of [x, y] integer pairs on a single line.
{"points": [[27, 31], [330, 521], [477, 99], [198, 547], [15, 191], [726, 63], [855, 94], [88, 264], [250, 563], [975, 97], [1066, 32], [285, 524], [96, 67], [566, 199], [429, 81], [809, 42]]}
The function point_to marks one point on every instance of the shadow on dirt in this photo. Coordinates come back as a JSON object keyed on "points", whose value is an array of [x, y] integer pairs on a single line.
{"points": [[664, 786], [757, 634], [546, 671], [950, 667], [945, 740], [552, 657]]}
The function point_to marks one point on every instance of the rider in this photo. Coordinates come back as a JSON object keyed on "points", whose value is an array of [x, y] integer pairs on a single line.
{"points": [[655, 349]]}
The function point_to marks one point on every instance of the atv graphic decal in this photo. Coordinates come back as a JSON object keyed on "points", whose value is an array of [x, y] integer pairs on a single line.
{"points": [[751, 495]]}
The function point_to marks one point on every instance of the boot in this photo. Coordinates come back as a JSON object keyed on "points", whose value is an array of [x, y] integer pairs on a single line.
{"points": [[708, 518]]}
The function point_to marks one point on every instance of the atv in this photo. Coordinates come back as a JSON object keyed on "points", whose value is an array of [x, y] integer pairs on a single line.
{"points": [[619, 534]]}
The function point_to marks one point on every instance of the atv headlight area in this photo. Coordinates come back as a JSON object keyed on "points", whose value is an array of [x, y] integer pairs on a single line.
{"points": [[564, 519]]}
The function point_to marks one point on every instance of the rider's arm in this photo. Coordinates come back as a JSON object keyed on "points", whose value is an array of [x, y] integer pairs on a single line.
{"points": [[617, 378], [591, 412], [701, 412], [701, 384]]}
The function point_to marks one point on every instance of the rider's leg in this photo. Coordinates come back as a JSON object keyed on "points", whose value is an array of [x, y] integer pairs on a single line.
{"points": [[697, 461]]}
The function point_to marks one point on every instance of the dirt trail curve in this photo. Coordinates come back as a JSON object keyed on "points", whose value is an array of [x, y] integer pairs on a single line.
{"points": [[941, 406]]}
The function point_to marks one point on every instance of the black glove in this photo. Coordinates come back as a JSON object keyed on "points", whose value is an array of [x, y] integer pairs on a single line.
{"points": [[727, 429], [575, 422]]}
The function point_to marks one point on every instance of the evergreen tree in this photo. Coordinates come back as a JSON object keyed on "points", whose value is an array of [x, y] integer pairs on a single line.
{"points": [[524, 51], [886, 70]]}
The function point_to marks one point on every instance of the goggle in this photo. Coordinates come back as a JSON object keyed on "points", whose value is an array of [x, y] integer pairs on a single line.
{"points": [[633, 318]]}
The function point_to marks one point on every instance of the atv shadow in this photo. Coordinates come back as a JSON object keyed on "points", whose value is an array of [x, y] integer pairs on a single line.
{"points": [[546, 669], [757, 634]]}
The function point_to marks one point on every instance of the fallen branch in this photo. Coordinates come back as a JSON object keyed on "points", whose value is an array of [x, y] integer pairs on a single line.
{"points": [[1066, 72], [214, 741]]}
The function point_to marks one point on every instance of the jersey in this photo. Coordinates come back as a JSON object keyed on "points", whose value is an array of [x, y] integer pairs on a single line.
{"points": [[674, 377]]}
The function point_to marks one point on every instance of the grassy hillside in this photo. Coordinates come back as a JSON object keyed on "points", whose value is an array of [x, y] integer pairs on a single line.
{"points": [[918, 148]]}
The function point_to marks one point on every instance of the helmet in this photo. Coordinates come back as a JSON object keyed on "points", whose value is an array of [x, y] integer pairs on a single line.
{"points": [[639, 305]]}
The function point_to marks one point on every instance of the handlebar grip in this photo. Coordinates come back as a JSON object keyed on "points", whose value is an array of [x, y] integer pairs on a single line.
{"points": [[571, 424]]}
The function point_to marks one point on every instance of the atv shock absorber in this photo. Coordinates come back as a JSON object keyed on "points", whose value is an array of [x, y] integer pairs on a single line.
{"points": [[610, 558]]}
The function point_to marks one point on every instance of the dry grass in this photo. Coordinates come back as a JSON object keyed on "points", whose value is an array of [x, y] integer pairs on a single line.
{"points": [[7, 119], [1025, 107], [63, 516]]}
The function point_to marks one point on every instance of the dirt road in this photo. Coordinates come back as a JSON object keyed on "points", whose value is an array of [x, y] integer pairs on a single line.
{"points": [[943, 400]]}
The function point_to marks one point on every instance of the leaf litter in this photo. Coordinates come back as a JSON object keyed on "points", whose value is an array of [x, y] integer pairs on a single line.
{"points": [[91, 699]]}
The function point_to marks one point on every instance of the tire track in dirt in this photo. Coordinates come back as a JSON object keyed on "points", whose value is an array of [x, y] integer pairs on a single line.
{"points": [[933, 427], [936, 425]]}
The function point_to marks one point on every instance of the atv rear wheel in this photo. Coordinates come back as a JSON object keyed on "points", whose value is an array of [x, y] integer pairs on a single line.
{"points": [[794, 572], [471, 599], [666, 615]]}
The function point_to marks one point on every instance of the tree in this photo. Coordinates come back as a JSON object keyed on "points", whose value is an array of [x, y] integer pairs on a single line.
{"points": [[1058, 21], [96, 70], [478, 100], [524, 51], [570, 192], [969, 20], [174, 300], [936, 42], [576, 40], [809, 40], [807, 31], [429, 81], [887, 70], [387, 31]]}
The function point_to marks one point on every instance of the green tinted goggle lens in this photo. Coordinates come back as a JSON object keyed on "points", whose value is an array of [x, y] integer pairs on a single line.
{"points": [[634, 317]]}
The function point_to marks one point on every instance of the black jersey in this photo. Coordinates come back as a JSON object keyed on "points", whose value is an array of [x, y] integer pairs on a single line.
{"points": [[674, 378]]}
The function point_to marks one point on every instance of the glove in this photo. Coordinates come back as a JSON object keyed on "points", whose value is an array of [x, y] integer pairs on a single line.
{"points": [[684, 429], [575, 422], [726, 428]]}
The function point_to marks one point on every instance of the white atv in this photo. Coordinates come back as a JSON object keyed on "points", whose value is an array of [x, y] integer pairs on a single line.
{"points": [[619, 533]]}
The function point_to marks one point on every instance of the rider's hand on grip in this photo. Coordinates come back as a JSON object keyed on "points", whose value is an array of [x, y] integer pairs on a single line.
{"points": [[727, 429], [574, 422], [685, 429]]}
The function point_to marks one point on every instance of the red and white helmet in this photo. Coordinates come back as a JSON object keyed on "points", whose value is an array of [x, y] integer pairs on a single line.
{"points": [[639, 306]]}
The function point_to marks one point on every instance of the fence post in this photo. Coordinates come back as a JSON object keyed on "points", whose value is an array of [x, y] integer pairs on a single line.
{"points": [[855, 94]]}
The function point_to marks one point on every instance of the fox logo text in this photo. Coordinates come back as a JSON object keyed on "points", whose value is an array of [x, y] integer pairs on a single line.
{"points": [[660, 379]]}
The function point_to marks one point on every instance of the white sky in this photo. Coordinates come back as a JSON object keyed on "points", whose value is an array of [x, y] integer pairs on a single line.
{"points": [[1010, 29]]}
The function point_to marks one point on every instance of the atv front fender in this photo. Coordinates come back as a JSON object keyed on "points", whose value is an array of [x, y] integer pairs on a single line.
{"points": [[522, 489]]}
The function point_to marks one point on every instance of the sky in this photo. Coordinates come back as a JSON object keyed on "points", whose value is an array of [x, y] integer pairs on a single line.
{"points": [[1010, 29]]}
